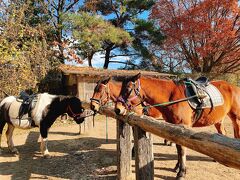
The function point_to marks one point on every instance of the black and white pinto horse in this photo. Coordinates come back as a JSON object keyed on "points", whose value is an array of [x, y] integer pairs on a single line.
{"points": [[47, 109]]}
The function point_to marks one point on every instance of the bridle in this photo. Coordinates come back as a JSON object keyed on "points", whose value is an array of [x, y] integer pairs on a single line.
{"points": [[105, 95], [74, 115], [127, 102]]}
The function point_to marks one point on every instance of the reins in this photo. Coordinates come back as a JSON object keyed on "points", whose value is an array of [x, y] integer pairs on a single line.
{"points": [[100, 102], [171, 102], [72, 113]]}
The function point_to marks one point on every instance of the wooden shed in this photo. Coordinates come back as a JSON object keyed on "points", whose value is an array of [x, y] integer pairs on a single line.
{"points": [[81, 81]]}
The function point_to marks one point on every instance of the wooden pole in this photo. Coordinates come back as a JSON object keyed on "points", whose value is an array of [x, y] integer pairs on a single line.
{"points": [[223, 149], [123, 150], [143, 155]]}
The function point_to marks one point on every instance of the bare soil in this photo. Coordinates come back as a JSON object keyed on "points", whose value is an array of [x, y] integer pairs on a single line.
{"points": [[90, 156]]}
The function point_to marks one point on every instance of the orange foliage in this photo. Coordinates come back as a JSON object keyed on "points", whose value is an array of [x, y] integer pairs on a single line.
{"points": [[203, 32]]}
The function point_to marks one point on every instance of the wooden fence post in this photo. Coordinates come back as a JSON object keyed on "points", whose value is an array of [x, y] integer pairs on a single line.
{"points": [[124, 150], [143, 155]]}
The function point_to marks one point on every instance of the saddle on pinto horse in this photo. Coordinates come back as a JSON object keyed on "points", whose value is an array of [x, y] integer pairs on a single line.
{"points": [[28, 103], [21, 109], [207, 95]]}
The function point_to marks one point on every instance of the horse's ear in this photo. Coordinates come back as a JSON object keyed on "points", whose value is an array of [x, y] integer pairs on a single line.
{"points": [[136, 77], [98, 82], [106, 80]]}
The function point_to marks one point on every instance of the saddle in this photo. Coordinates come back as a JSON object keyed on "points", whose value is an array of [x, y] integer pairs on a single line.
{"points": [[206, 95], [197, 87], [28, 103]]}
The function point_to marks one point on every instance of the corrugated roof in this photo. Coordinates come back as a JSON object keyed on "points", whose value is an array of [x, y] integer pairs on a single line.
{"points": [[88, 71]]}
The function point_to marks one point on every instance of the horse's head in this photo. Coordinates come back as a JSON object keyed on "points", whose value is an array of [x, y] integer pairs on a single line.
{"points": [[130, 98], [76, 110], [101, 95]]}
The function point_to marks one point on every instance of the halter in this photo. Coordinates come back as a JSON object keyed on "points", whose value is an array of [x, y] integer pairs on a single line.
{"points": [[100, 101], [127, 102], [74, 115]]}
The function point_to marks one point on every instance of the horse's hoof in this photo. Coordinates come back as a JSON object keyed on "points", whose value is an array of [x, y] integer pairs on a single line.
{"points": [[181, 174], [176, 167], [46, 156], [14, 151], [180, 178]]}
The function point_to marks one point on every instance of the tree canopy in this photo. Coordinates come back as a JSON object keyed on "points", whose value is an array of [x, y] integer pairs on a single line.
{"points": [[202, 33], [180, 35], [24, 53], [91, 33], [126, 15]]}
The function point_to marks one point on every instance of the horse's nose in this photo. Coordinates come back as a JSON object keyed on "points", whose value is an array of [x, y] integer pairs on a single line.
{"points": [[117, 111]]}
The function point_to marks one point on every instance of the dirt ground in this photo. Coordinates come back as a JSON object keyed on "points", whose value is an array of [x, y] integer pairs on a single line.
{"points": [[89, 156]]}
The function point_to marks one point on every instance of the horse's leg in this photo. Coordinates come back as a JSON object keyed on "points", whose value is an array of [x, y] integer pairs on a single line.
{"points": [[9, 135], [44, 141], [220, 128], [178, 160], [44, 127], [182, 152], [44, 147], [2, 124], [236, 124]]}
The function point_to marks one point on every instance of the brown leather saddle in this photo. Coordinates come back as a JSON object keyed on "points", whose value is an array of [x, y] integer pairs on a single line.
{"points": [[206, 95]]}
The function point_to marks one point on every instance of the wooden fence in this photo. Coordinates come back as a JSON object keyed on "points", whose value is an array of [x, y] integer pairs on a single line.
{"points": [[223, 149]]}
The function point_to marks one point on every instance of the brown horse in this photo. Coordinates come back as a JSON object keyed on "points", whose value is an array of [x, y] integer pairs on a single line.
{"points": [[106, 90], [156, 91]]}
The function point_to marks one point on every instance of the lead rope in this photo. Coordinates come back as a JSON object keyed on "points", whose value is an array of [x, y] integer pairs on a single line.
{"points": [[106, 128], [171, 102], [108, 104]]}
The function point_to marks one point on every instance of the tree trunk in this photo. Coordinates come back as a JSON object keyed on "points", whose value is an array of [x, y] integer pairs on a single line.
{"points": [[107, 57], [90, 56]]}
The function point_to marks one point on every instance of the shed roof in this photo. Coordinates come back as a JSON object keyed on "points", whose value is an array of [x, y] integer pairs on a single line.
{"points": [[93, 72]]}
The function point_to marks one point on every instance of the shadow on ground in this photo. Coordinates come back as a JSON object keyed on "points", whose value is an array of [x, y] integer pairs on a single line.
{"points": [[72, 159]]}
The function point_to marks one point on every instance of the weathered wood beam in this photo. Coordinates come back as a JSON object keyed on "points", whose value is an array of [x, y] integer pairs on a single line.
{"points": [[123, 150], [223, 149], [143, 155]]}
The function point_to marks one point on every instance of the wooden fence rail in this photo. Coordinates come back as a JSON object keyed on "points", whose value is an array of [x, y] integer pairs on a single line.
{"points": [[223, 149]]}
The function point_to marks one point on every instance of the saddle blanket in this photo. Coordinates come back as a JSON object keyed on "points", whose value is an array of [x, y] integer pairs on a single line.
{"points": [[213, 98], [24, 122]]}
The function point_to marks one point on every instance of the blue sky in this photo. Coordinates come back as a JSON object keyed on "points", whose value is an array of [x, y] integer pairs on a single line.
{"points": [[98, 61]]}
